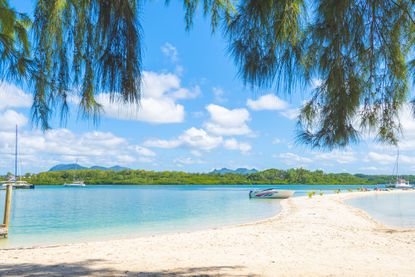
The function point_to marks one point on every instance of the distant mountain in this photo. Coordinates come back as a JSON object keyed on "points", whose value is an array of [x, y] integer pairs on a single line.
{"points": [[96, 167], [118, 168], [236, 171], [61, 167]]}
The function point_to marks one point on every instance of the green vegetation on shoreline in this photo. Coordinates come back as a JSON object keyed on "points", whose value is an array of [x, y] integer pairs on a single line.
{"points": [[269, 176]]}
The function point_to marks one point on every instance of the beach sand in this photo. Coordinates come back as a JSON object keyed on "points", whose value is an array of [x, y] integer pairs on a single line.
{"points": [[320, 236]]}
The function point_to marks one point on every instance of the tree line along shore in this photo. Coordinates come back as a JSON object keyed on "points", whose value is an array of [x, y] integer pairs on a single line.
{"points": [[269, 176]]}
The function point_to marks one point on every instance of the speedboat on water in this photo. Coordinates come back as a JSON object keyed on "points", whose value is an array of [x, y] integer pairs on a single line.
{"points": [[271, 193], [75, 184]]}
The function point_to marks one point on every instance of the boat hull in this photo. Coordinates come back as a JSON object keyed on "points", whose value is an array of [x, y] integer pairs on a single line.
{"points": [[74, 185], [402, 186], [271, 194], [17, 186]]}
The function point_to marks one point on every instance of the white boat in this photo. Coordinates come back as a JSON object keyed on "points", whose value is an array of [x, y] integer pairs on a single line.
{"points": [[18, 184], [271, 193], [75, 184], [399, 183]]}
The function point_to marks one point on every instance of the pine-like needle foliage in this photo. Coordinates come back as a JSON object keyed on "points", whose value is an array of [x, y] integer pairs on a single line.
{"points": [[14, 44], [91, 45], [359, 51]]}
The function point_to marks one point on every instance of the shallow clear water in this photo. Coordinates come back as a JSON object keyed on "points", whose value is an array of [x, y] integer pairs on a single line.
{"points": [[57, 214], [392, 209]]}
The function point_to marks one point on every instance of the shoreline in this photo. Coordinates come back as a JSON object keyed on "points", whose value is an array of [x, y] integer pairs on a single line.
{"points": [[303, 233], [346, 196], [361, 212]]}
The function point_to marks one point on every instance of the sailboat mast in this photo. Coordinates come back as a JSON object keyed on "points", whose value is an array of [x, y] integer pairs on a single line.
{"points": [[15, 160], [397, 165]]}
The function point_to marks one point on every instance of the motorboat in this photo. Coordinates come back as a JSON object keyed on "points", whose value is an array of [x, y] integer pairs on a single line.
{"points": [[271, 193], [75, 184]]}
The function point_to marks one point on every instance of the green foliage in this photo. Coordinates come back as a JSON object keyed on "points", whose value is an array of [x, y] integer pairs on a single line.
{"points": [[311, 194], [94, 45], [270, 176], [360, 52], [14, 43]]}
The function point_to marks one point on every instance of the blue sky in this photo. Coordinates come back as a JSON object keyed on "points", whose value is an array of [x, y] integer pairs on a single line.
{"points": [[195, 115]]}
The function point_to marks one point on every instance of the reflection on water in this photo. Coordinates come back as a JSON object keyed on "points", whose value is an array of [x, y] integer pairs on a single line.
{"points": [[395, 209]]}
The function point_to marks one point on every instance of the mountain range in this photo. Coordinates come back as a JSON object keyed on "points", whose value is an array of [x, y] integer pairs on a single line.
{"points": [[235, 171], [61, 167]]}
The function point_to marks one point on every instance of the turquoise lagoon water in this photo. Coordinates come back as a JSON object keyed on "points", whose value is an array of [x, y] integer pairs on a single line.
{"points": [[57, 214], [392, 209]]}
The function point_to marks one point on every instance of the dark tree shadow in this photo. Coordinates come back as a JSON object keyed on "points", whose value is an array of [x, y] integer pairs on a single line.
{"points": [[94, 267]]}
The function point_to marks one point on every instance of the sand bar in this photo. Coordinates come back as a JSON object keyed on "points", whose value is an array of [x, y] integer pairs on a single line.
{"points": [[321, 236]]}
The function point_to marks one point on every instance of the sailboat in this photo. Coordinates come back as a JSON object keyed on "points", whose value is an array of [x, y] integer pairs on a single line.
{"points": [[399, 183], [18, 184]]}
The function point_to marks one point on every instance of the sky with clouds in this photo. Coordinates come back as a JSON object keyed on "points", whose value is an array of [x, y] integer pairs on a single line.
{"points": [[195, 115]]}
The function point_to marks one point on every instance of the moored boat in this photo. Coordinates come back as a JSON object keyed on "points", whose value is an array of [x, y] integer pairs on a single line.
{"points": [[271, 193], [18, 184], [14, 181], [75, 184], [400, 183]]}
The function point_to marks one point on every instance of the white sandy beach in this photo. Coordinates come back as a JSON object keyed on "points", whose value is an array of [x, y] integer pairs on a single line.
{"points": [[321, 236]]}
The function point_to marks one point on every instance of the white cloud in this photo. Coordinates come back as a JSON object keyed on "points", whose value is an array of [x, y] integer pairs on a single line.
{"points": [[13, 97], [10, 118], [64, 146], [161, 143], [158, 103], [290, 158], [267, 102], [384, 158], [381, 158], [170, 51], [193, 138], [233, 144], [371, 168], [218, 93], [187, 161], [339, 156], [272, 103], [199, 140], [227, 122], [144, 151]]}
